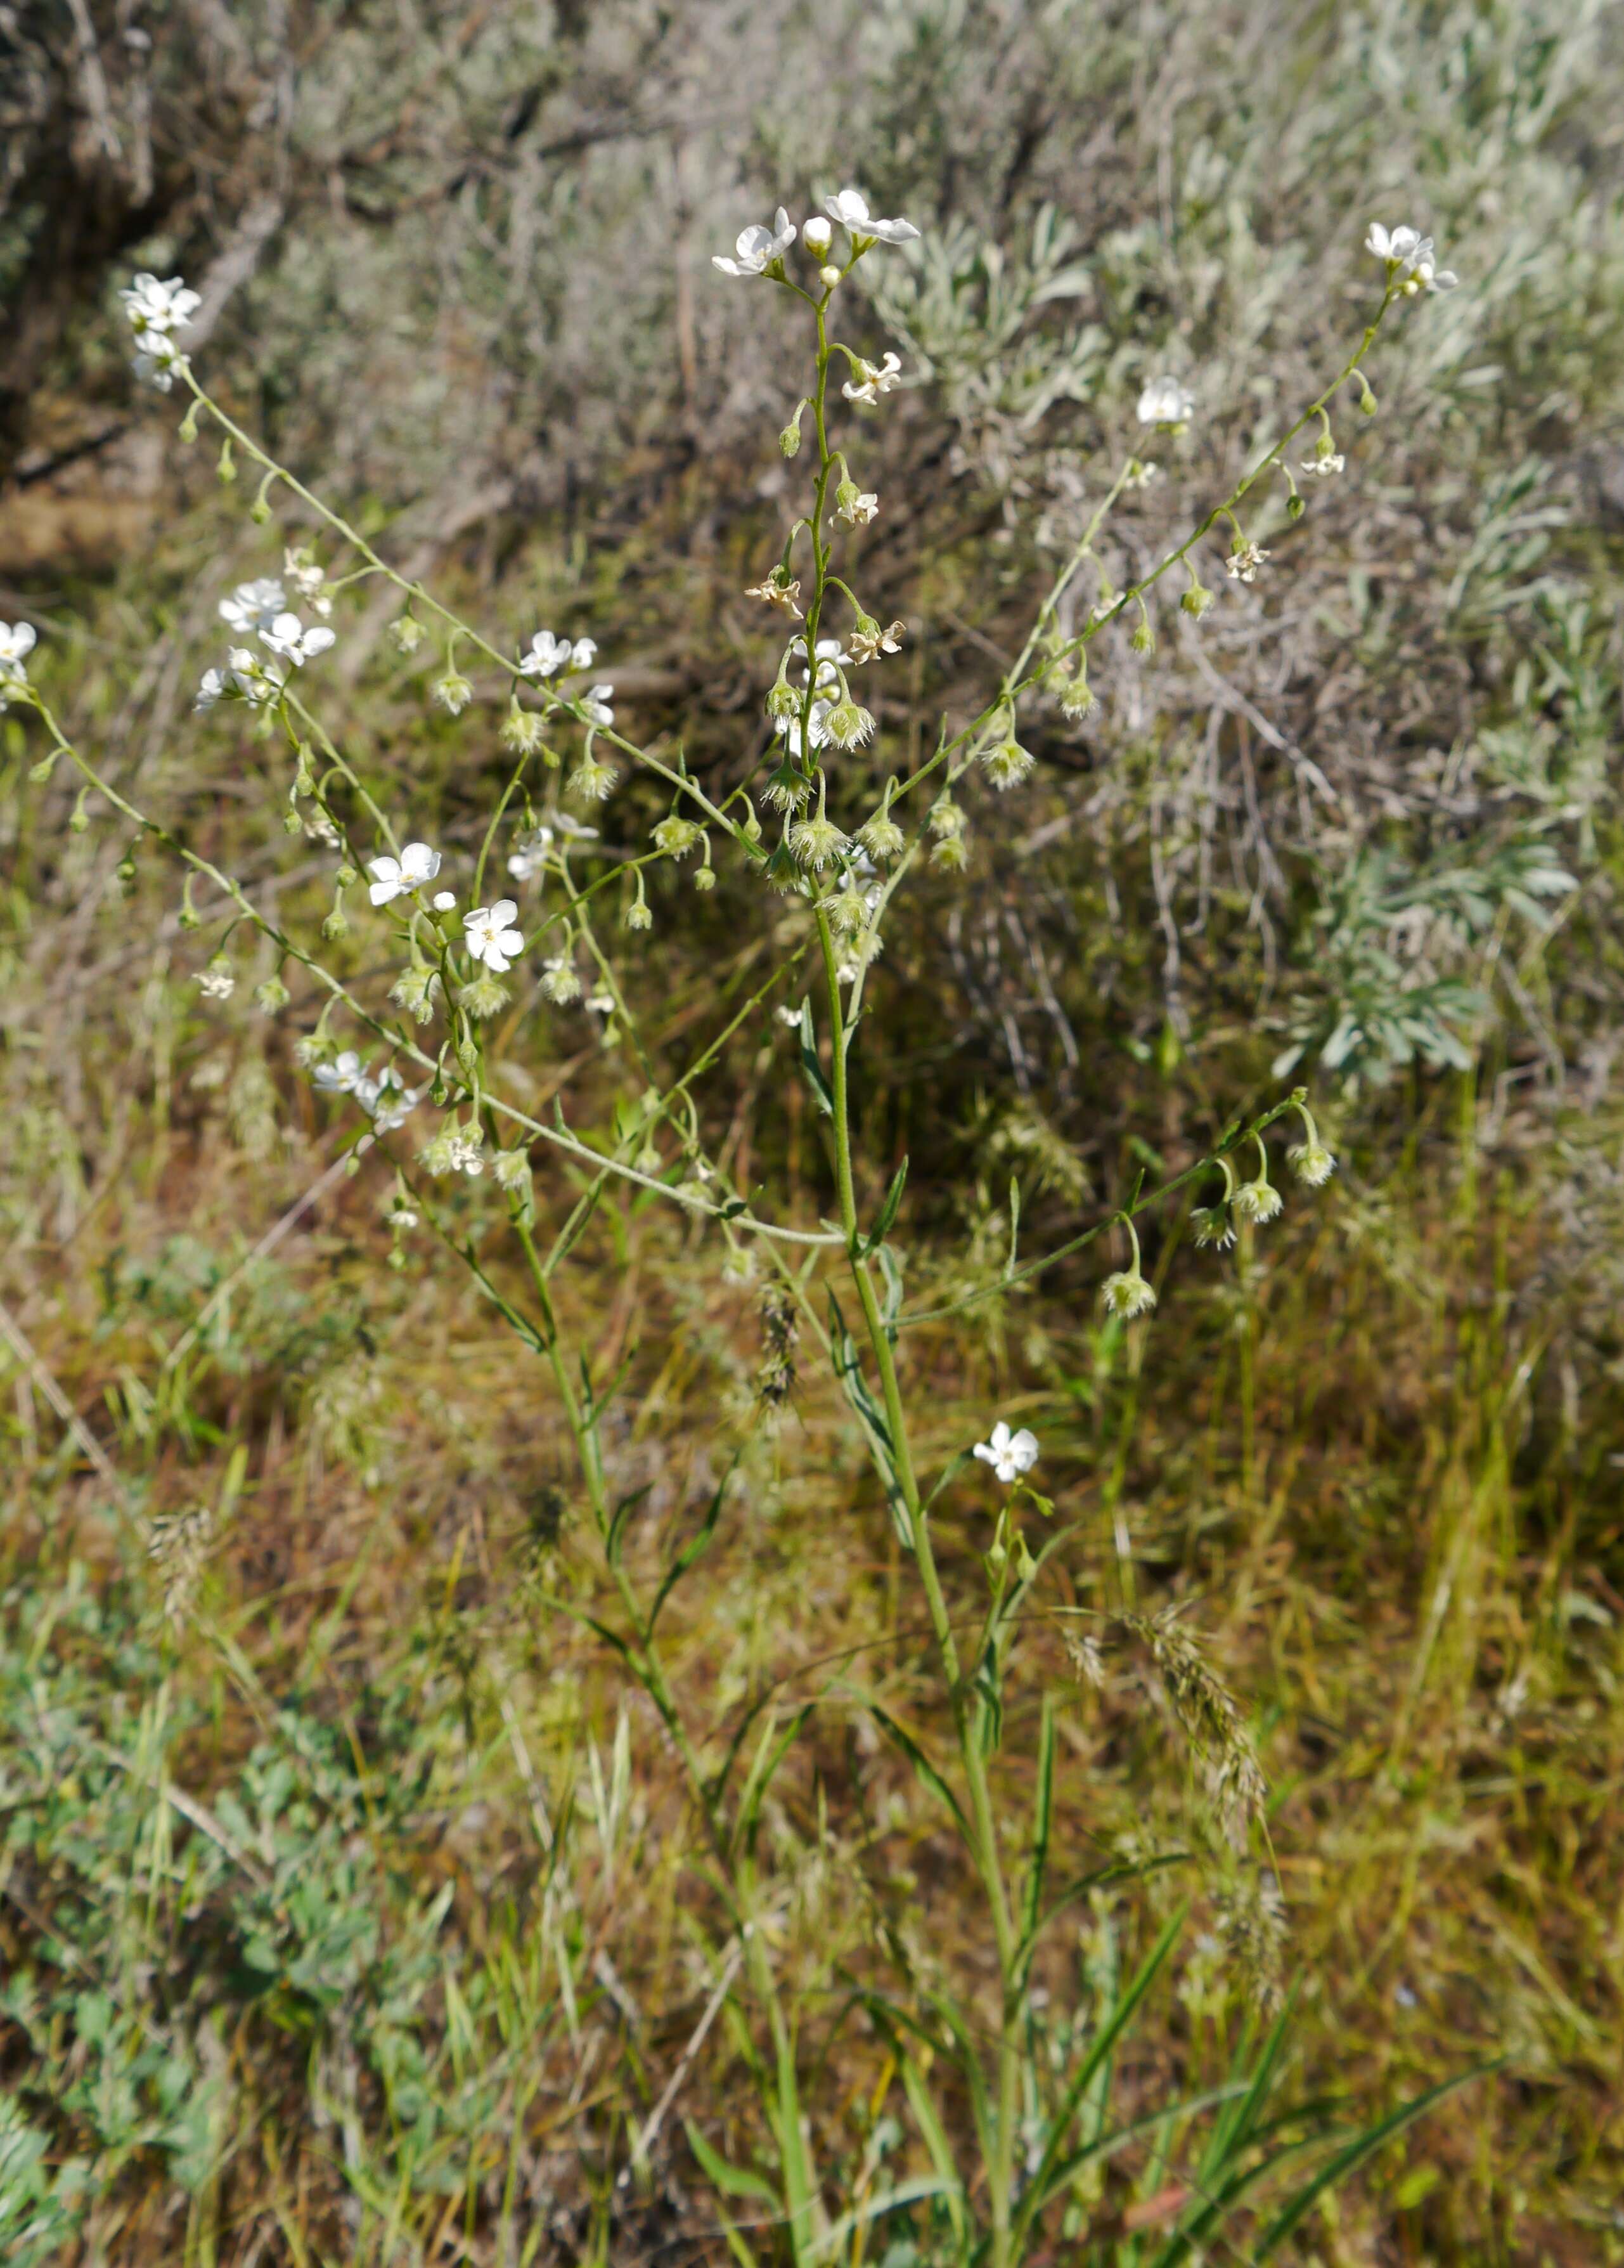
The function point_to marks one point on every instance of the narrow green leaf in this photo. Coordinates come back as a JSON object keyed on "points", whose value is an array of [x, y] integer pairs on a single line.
{"points": [[1038, 2193], [904, 1740], [1354, 2154], [732, 2181], [888, 1210], [811, 1066], [696, 1544], [614, 1540], [1043, 1813]]}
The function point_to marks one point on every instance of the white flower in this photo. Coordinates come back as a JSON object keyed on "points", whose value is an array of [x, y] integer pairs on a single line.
{"points": [[386, 1100], [391, 878], [869, 643], [342, 1076], [1165, 402], [1425, 277], [1243, 562], [288, 636], [789, 1017], [1401, 244], [218, 981], [160, 364], [857, 510], [568, 825], [827, 653], [156, 309], [758, 247], [871, 379], [816, 235], [1010, 1455], [16, 642], [215, 684], [462, 1153], [788, 728], [850, 209], [1324, 469], [257, 682], [529, 859], [595, 703], [1411, 254], [254, 606], [548, 655], [308, 578], [488, 933]]}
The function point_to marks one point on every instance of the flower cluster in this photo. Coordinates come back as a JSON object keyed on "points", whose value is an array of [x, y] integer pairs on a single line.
{"points": [[386, 1100], [1408, 256], [156, 310], [759, 250], [260, 609]]}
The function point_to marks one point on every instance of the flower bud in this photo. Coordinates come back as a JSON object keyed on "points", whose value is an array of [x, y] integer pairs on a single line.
{"points": [[828, 277], [881, 837], [1312, 1162], [1295, 506], [676, 835], [790, 439], [848, 725], [1196, 600], [1126, 1293], [346, 877], [816, 236]]}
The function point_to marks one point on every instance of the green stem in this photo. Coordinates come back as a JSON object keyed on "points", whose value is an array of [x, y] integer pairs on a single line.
{"points": [[984, 1835]]}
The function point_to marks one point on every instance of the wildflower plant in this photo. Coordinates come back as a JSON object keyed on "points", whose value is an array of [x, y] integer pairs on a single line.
{"points": [[826, 829]]}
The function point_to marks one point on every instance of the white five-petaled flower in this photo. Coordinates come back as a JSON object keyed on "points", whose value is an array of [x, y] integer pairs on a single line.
{"points": [[1244, 561], [757, 247], [529, 857], [391, 878], [16, 642], [488, 933], [1166, 401], [548, 655], [850, 209], [288, 636], [344, 1075], [1010, 1455], [254, 606], [827, 653], [595, 702], [870, 380], [154, 307], [788, 728]]}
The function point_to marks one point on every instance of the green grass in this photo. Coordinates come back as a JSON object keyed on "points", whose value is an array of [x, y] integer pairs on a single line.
{"points": [[355, 1904]]}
